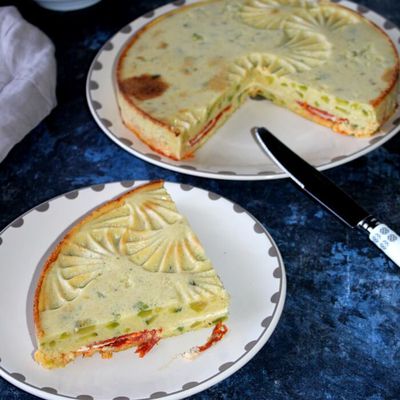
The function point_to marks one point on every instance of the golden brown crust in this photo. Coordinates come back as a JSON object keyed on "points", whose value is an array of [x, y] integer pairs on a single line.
{"points": [[93, 214], [151, 144]]}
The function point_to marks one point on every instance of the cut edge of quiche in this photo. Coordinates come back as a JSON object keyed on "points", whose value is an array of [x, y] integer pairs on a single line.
{"points": [[263, 74], [127, 275]]}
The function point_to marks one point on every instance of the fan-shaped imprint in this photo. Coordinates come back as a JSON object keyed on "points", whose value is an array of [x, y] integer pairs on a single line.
{"points": [[151, 209], [298, 51], [172, 249], [272, 14], [82, 257], [324, 17]]}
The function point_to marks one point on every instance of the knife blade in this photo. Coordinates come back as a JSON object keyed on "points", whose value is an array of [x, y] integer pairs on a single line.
{"points": [[324, 191]]}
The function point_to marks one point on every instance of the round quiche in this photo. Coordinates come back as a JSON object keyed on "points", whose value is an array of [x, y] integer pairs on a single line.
{"points": [[183, 74]]}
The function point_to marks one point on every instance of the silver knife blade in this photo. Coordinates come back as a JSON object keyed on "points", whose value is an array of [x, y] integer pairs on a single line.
{"points": [[312, 181]]}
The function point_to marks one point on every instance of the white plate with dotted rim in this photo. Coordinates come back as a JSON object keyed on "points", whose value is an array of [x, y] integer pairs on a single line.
{"points": [[232, 153], [248, 263]]}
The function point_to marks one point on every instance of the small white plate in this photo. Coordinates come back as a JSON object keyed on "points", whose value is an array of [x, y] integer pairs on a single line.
{"points": [[243, 253], [232, 153]]}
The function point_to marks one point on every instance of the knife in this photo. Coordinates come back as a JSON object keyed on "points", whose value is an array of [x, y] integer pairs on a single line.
{"points": [[329, 195]]}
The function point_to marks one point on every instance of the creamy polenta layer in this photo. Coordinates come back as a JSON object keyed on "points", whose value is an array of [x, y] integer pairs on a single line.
{"points": [[129, 274], [183, 74]]}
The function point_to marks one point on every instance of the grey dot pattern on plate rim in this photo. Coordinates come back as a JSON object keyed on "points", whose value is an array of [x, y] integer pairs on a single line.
{"points": [[99, 187], [190, 385], [266, 322], [179, 2], [97, 66], [107, 123], [225, 366], [272, 252], [127, 184], [158, 395], [362, 9], [43, 207], [1, 241], [250, 345], [397, 120], [338, 158], [19, 377], [93, 85], [277, 273], [96, 105], [85, 397], [49, 390], [154, 157], [149, 14], [121, 398], [238, 209], [126, 29], [18, 223], [72, 195], [389, 25], [213, 196], [226, 173], [258, 228], [275, 297], [108, 46], [375, 140], [125, 141], [185, 187]]}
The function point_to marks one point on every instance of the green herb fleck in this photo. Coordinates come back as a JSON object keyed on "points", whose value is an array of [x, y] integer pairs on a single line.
{"points": [[140, 306], [196, 37], [144, 313]]}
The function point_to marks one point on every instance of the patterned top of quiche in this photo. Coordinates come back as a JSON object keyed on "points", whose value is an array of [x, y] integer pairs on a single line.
{"points": [[130, 256]]}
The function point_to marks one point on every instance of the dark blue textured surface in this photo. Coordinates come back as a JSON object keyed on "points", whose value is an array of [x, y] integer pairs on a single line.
{"points": [[339, 334]]}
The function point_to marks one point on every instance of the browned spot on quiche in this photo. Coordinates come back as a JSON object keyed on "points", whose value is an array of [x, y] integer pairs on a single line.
{"points": [[144, 87], [162, 45], [188, 62], [218, 82], [218, 60]]}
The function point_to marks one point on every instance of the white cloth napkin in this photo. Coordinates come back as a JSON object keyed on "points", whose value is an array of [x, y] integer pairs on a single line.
{"points": [[27, 78]]}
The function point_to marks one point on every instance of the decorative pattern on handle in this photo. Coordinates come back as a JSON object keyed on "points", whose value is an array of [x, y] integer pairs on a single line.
{"points": [[388, 241]]}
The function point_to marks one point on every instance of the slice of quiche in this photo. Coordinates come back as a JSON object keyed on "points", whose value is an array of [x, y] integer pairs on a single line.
{"points": [[130, 273], [183, 74]]}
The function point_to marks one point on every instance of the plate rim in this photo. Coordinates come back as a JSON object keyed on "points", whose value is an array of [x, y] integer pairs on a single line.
{"points": [[161, 161], [224, 371]]}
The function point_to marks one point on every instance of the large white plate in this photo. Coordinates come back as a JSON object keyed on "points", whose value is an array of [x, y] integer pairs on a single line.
{"points": [[232, 153], [243, 253]]}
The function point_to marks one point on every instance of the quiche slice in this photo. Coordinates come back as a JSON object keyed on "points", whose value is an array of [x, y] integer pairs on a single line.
{"points": [[130, 273], [183, 74]]}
